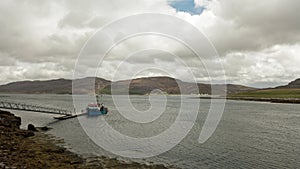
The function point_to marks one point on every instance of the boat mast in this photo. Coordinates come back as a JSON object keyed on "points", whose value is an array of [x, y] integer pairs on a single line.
{"points": [[97, 99]]}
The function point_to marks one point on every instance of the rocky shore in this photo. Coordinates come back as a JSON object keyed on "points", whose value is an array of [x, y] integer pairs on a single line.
{"points": [[35, 149]]}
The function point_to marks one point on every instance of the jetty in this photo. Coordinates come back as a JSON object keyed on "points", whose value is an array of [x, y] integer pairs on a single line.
{"points": [[66, 114]]}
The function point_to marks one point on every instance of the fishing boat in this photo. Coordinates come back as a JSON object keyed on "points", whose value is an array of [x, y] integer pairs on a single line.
{"points": [[96, 109]]}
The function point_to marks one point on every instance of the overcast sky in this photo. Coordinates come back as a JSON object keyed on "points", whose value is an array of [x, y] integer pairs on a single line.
{"points": [[258, 40]]}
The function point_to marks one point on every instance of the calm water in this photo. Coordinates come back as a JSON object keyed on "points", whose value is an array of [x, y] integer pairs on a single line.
{"points": [[250, 134]]}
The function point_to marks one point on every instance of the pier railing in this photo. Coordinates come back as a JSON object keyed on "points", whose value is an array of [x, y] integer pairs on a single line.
{"points": [[33, 108]]}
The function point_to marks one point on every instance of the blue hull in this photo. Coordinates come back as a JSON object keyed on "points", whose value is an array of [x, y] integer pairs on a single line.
{"points": [[95, 112]]}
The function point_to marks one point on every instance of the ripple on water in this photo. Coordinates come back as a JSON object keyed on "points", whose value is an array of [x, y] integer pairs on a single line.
{"points": [[250, 134]]}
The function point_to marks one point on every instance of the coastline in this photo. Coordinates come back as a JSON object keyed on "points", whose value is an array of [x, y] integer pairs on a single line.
{"points": [[271, 100], [35, 149]]}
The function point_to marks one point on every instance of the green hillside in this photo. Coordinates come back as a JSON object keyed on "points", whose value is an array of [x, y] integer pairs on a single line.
{"points": [[270, 93]]}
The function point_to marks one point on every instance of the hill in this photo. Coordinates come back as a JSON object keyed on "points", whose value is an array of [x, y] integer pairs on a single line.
{"points": [[143, 86], [289, 91], [139, 86], [292, 85], [56, 86]]}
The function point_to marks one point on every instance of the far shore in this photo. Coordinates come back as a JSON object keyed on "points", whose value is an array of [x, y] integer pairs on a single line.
{"points": [[272, 100], [259, 99]]}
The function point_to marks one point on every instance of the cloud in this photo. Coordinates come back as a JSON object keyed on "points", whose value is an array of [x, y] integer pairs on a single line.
{"points": [[242, 25], [259, 42], [201, 3], [268, 67], [28, 71]]}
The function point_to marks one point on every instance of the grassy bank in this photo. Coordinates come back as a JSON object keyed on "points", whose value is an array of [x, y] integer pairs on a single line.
{"points": [[271, 93]]}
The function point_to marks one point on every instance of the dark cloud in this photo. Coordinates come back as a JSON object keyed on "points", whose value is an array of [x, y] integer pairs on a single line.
{"points": [[259, 42], [243, 25]]}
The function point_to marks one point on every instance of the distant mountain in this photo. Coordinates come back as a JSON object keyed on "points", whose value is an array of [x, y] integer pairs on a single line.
{"points": [[83, 86], [56, 86], [289, 93], [234, 88], [139, 86], [292, 85], [143, 86]]}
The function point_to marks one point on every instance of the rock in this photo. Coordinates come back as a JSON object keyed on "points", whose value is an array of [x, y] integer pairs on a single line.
{"points": [[31, 127], [9, 120], [5, 113], [45, 128], [28, 134], [59, 150], [24, 133]]}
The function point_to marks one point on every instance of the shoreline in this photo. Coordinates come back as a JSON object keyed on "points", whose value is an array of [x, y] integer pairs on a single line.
{"points": [[271, 100], [35, 149]]}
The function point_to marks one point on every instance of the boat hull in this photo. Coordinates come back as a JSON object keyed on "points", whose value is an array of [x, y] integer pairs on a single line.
{"points": [[96, 112]]}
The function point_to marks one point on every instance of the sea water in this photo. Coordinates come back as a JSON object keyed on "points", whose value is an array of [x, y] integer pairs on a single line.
{"points": [[249, 135]]}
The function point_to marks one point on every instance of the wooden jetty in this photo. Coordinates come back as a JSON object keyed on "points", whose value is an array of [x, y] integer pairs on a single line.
{"points": [[65, 117], [34, 108]]}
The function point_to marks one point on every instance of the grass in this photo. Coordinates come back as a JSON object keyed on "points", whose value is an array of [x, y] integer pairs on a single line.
{"points": [[270, 93]]}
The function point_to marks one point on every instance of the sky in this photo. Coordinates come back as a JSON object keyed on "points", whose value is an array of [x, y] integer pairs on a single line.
{"points": [[258, 41]]}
